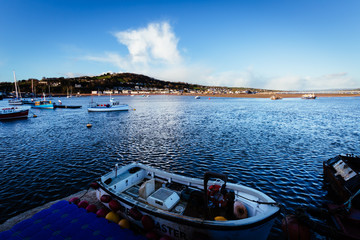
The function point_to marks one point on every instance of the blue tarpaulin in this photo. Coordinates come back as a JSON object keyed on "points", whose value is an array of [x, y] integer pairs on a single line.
{"points": [[65, 221]]}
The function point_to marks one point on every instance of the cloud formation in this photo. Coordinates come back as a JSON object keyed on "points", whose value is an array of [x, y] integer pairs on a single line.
{"points": [[153, 51]]}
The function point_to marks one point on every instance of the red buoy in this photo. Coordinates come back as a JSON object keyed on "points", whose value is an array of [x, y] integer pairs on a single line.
{"points": [[94, 185], [105, 198], [83, 204], [294, 229], [102, 212], [135, 214], [147, 222], [114, 205], [152, 236], [166, 237], [91, 208], [74, 200]]}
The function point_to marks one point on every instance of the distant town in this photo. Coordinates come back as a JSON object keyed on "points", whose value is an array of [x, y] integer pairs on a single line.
{"points": [[126, 83]]}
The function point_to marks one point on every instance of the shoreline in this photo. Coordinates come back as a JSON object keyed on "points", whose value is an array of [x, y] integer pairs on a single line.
{"points": [[241, 95]]}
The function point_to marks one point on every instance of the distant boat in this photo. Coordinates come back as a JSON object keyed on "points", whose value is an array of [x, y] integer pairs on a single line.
{"points": [[43, 104], [12, 113], [17, 99], [197, 97], [308, 96], [274, 97], [107, 107]]}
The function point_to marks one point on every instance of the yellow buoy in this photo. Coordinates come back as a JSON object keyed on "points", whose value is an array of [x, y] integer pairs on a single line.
{"points": [[89, 125], [112, 216], [124, 223], [220, 218]]}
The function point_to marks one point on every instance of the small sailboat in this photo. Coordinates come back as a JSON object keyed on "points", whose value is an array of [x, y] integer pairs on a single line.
{"points": [[17, 99]]}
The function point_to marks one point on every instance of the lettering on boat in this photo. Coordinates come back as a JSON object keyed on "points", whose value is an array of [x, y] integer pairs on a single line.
{"points": [[170, 231], [161, 227]]}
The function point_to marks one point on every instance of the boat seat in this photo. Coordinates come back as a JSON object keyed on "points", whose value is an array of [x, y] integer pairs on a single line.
{"points": [[147, 188]]}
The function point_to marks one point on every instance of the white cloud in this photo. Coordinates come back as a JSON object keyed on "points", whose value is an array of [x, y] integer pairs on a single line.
{"points": [[329, 81], [156, 43], [153, 51]]}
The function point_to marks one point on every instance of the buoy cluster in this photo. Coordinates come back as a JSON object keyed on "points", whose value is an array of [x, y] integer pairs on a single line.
{"points": [[146, 221]]}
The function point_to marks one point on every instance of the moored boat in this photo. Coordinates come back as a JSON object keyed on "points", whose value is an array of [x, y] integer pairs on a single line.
{"points": [[187, 208], [342, 173], [308, 96], [107, 107], [274, 97], [12, 113]]}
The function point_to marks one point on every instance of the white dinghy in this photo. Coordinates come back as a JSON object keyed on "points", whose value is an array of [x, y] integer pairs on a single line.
{"points": [[187, 208]]}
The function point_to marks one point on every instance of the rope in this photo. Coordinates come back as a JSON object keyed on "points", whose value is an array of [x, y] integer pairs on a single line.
{"points": [[347, 204]]}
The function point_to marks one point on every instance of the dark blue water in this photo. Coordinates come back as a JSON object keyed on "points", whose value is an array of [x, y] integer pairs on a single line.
{"points": [[275, 146]]}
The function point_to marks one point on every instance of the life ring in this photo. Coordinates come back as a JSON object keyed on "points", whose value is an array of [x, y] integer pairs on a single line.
{"points": [[240, 210]]}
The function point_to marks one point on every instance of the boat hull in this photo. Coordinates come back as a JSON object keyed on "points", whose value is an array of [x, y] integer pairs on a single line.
{"points": [[46, 106], [21, 114], [182, 229], [108, 109]]}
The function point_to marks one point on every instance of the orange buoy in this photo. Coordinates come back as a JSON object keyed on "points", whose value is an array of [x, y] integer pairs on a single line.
{"points": [[240, 210], [89, 125], [123, 223], [220, 218], [111, 216]]}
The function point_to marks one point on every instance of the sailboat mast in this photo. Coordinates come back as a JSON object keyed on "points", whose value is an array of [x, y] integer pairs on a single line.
{"points": [[16, 88]]}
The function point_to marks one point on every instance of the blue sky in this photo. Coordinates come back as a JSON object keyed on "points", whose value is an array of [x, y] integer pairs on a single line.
{"points": [[287, 45]]}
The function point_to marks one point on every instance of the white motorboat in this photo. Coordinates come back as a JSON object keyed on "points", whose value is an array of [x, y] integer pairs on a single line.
{"points": [[107, 107], [187, 208]]}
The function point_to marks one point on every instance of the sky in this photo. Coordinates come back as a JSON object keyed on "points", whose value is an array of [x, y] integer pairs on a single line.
{"points": [[272, 44]]}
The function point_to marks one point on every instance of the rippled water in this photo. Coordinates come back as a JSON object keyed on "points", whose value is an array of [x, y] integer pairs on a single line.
{"points": [[275, 146]]}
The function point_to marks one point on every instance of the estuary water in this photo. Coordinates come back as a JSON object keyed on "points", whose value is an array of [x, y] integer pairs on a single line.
{"points": [[277, 147]]}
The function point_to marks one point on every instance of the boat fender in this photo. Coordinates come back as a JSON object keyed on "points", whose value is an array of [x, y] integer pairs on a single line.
{"points": [[240, 210], [91, 208], [114, 205], [107, 105], [74, 200], [293, 229], [113, 217], [166, 237], [83, 204], [123, 223], [152, 235], [102, 212], [220, 218], [94, 185], [135, 214], [147, 222], [105, 198]]}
